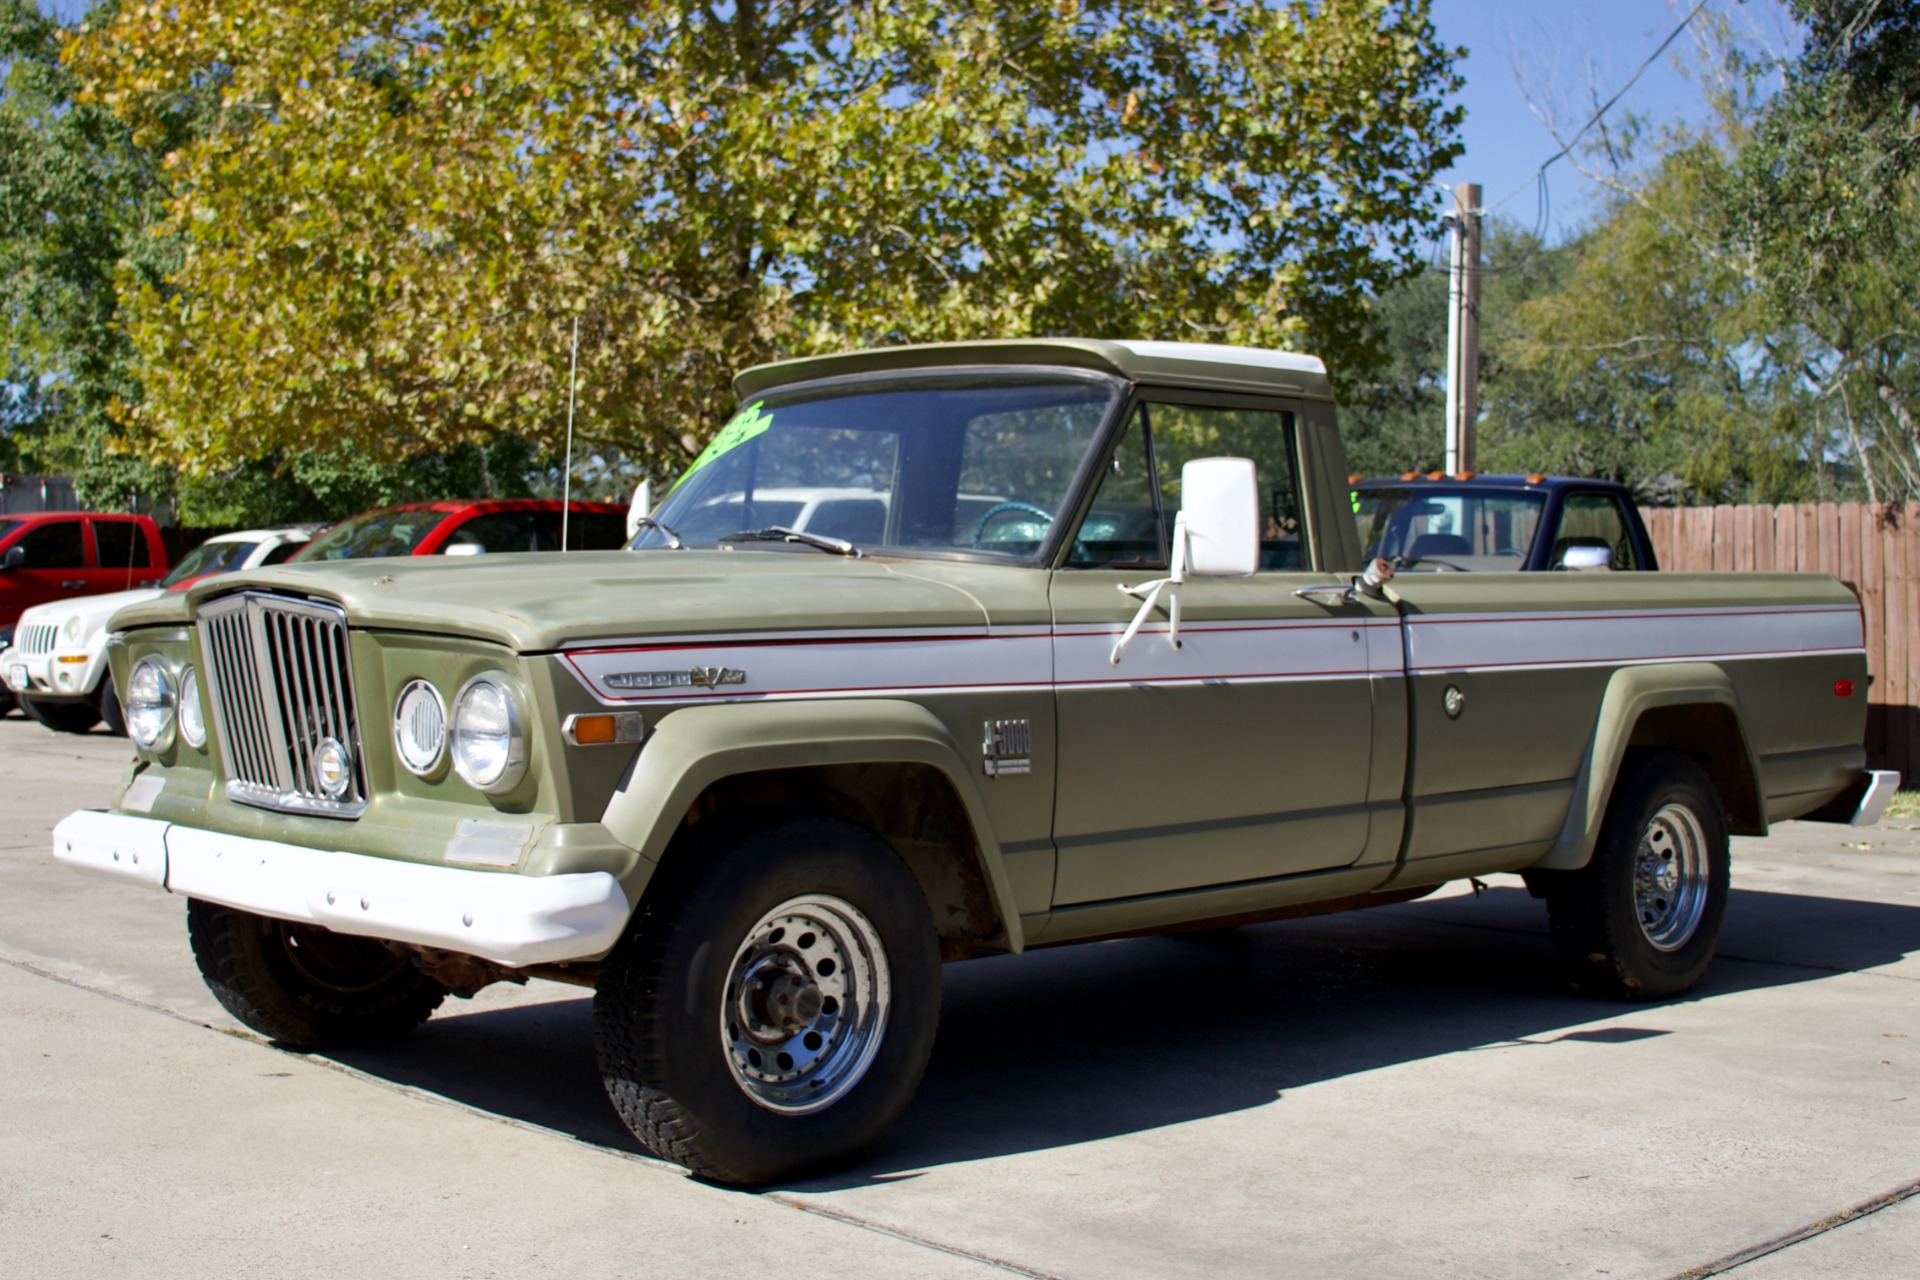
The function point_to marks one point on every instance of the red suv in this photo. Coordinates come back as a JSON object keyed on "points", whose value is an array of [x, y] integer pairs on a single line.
{"points": [[50, 555], [489, 526]]}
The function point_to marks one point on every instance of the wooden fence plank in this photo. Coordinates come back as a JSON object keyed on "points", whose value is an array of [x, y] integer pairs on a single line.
{"points": [[1763, 539], [1827, 539], [1893, 545], [1873, 603], [1849, 567], [1723, 539], [1807, 517], [1743, 522], [1786, 534], [1697, 546], [1910, 624]]}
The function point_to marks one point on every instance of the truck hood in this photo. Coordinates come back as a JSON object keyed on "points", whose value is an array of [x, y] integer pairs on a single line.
{"points": [[537, 602]]}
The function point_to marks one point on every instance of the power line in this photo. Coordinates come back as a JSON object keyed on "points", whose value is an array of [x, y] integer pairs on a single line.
{"points": [[1606, 106]]}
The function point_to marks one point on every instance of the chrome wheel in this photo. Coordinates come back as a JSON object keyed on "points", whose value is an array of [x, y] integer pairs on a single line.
{"points": [[1670, 877], [806, 1004]]}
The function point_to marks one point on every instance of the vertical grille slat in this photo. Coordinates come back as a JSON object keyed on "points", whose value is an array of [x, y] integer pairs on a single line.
{"points": [[281, 679]]}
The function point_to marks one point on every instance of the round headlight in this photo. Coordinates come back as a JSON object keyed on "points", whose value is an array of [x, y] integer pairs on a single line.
{"points": [[420, 728], [72, 631], [193, 724], [150, 704], [489, 734]]}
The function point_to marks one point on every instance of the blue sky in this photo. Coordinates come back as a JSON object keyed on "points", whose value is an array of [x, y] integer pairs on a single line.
{"points": [[1571, 54]]}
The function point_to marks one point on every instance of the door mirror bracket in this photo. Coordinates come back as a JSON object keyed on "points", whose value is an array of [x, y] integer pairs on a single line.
{"points": [[1215, 535]]}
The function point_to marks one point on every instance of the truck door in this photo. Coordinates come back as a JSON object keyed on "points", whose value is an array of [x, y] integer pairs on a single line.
{"points": [[1242, 755], [122, 558], [53, 565]]}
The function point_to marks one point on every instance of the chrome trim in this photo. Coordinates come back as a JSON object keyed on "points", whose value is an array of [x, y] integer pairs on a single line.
{"points": [[280, 682], [629, 727], [169, 703], [446, 729], [518, 746], [1881, 784]]}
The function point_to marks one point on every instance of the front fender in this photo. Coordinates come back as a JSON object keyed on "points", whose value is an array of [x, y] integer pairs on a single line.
{"points": [[695, 747], [1631, 694]]}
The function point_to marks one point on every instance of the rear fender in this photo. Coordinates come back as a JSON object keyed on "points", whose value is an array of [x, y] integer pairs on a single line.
{"points": [[1653, 695], [694, 748]]}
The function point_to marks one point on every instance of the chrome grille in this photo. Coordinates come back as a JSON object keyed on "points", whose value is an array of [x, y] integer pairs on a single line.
{"points": [[281, 684], [36, 639]]}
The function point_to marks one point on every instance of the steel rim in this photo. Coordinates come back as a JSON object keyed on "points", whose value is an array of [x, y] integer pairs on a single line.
{"points": [[806, 1004], [1670, 874]]}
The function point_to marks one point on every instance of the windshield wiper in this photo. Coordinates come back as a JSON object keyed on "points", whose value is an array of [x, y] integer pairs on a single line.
{"points": [[673, 539], [780, 533]]}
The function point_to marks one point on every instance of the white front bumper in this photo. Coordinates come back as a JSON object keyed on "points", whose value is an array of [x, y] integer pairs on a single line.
{"points": [[500, 916]]}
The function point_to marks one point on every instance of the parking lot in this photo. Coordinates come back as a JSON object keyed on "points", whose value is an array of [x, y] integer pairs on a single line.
{"points": [[1404, 1092]]}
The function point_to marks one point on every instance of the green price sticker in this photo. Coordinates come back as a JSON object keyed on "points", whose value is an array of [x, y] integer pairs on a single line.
{"points": [[746, 424], [1354, 494]]}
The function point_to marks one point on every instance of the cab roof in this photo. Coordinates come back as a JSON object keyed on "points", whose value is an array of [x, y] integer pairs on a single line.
{"points": [[1201, 365]]}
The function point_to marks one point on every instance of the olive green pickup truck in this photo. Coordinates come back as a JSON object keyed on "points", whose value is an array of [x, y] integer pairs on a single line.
{"points": [[940, 652]]}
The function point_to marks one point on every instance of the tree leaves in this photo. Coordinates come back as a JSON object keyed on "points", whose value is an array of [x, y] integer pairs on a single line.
{"points": [[397, 211]]}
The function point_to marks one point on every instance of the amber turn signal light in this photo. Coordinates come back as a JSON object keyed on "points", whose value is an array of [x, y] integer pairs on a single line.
{"points": [[604, 728]]}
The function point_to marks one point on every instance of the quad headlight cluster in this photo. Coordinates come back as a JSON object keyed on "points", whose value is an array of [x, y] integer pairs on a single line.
{"points": [[152, 701], [486, 735], [161, 702]]}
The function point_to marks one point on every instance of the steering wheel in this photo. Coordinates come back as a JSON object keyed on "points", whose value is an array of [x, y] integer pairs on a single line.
{"points": [[1001, 508]]}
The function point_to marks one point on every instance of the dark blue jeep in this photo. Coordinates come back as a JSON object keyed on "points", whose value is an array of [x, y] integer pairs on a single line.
{"points": [[1500, 524]]}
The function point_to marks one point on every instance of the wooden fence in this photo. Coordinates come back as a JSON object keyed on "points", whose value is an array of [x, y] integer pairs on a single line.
{"points": [[1874, 550]]}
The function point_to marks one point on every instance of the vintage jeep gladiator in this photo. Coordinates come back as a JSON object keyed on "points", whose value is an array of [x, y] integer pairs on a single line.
{"points": [[1077, 643]]}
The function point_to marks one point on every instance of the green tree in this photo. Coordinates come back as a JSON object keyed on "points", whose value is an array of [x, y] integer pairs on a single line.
{"points": [[401, 209], [77, 199], [1822, 214]]}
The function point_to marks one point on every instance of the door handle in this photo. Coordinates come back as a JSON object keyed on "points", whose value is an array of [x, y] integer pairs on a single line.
{"points": [[73, 586]]}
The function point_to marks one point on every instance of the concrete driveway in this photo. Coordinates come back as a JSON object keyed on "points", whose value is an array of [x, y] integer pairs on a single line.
{"points": [[1404, 1092]]}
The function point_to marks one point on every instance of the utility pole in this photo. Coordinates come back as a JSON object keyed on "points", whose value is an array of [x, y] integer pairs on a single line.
{"points": [[1463, 329]]}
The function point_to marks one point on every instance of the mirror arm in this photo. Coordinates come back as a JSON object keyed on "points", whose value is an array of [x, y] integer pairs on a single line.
{"points": [[1149, 593]]}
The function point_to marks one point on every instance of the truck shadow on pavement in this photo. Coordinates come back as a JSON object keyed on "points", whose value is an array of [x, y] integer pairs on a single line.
{"points": [[1081, 1043]]}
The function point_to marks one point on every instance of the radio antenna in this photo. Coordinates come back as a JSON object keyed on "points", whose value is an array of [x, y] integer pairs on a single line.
{"points": [[566, 477]]}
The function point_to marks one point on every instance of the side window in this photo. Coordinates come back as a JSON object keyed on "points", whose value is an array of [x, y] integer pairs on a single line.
{"points": [[58, 544], [1123, 527], [1180, 433], [120, 545], [503, 531], [280, 553], [1594, 520]]}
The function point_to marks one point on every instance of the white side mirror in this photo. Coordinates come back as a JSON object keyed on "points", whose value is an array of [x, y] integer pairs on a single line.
{"points": [[640, 508], [1577, 558], [1216, 535], [1220, 503]]}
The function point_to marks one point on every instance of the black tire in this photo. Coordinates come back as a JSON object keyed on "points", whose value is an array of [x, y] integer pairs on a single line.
{"points": [[304, 986], [668, 991], [110, 713], [63, 717], [1629, 939]]}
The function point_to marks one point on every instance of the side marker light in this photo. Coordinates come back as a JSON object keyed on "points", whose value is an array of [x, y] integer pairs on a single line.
{"points": [[1843, 688]]}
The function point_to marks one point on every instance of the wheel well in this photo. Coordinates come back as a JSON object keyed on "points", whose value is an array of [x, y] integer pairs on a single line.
{"points": [[1710, 733], [913, 807]]}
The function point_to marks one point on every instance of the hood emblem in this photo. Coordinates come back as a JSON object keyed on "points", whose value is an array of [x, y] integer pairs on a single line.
{"points": [[687, 678]]}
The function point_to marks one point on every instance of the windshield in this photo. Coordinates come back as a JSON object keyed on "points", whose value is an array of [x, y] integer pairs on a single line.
{"points": [[7, 526], [209, 558], [969, 462], [376, 533], [1436, 528]]}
